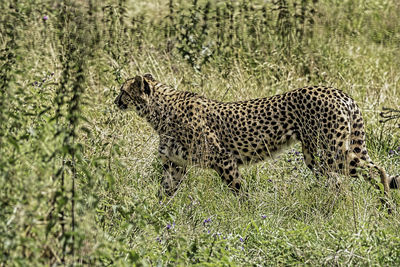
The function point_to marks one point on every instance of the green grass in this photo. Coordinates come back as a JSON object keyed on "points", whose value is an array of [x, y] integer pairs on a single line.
{"points": [[79, 179]]}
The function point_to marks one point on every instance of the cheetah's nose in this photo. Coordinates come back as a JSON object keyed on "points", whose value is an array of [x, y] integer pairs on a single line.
{"points": [[121, 105]]}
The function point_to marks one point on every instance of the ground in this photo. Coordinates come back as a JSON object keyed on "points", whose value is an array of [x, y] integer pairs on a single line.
{"points": [[80, 179]]}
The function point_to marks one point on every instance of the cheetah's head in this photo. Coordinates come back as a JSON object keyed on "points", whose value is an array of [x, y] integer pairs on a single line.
{"points": [[135, 92]]}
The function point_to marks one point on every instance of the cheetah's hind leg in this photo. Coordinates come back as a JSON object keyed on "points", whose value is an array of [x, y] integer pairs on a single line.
{"points": [[394, 182]]}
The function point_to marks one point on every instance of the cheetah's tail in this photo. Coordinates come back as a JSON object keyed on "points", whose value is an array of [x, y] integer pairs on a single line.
{"points": [[358, 150], [394, 182], [384, 177]]}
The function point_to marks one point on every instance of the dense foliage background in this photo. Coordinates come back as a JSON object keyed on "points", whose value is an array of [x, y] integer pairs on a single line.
{"points": [[79, 178]]}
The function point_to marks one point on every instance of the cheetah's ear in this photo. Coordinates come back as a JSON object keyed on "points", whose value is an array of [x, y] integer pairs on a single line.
{"points": [[143, 85], [149, 77], [138, 79], [146, 87]]}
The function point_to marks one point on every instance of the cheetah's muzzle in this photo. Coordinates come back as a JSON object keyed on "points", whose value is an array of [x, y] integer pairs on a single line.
{"points": [[119, 103]]}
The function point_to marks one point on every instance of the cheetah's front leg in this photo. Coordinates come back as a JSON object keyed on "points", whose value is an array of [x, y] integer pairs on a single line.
{"points": [[174, 167], [172, 175]]}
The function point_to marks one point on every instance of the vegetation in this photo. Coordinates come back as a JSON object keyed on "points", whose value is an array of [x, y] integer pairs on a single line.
{"points": [[79, 178]]}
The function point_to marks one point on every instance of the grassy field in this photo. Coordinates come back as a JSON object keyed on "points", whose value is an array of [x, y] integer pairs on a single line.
{"points": [[79, 179]]}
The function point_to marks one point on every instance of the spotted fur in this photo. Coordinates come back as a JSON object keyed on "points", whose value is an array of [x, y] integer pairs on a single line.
{"points": [[222, 136]]}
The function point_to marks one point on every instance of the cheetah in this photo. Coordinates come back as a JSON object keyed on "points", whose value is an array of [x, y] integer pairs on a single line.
{"points": [[222, 136]]}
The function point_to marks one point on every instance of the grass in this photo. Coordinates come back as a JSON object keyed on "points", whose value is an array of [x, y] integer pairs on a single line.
{"points": [[79, 179]]}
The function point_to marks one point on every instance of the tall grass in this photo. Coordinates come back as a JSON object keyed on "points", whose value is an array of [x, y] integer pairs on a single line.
{"points": [[79, 179]]}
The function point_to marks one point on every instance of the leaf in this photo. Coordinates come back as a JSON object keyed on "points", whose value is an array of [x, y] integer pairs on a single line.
{"points": [[133, 256], [43, 111], [86, 130], [13, 142]]}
